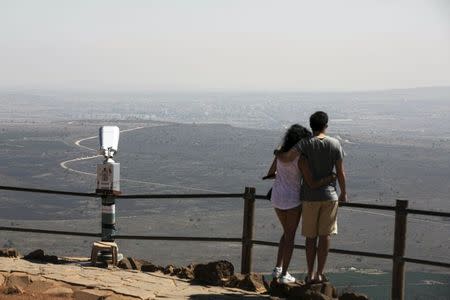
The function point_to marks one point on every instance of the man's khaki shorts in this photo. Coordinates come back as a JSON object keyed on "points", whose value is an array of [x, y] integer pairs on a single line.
{"points": [[319, 218]]}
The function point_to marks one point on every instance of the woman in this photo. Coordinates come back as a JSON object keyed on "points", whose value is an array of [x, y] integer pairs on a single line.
{"points": [[285, 196]]}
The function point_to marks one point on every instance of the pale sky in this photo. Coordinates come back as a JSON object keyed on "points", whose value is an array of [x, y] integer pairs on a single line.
{"points": [[254, 45]]}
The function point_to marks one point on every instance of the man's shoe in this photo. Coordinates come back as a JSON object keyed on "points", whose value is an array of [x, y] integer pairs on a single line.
{"points": [[276, 273], [309, 280], [285, 279], [322, 278]]}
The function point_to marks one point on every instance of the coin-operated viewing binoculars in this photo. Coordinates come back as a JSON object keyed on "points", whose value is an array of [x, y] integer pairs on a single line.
{"points": [[108, 186], [108, 173]]}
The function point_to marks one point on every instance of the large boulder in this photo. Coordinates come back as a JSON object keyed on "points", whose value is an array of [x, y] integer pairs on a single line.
{"points": [[35, 255], [39, 255], [300, 290], [214, 273]]}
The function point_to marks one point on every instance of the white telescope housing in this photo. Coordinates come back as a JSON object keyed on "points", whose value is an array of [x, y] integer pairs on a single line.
{"points": [[109, 140]]}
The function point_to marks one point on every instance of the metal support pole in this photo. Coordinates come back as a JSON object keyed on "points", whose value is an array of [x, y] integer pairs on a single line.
{"points": [[247, 230], [398, 270], [108, 217]]}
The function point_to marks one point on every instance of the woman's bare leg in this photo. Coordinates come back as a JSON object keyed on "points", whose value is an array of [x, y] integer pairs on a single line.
{"points": [[280, 253], [282, 217], [290, 222]]}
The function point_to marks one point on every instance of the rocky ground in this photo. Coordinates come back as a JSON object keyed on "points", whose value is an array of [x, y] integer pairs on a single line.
{"points": [[39, 276]]}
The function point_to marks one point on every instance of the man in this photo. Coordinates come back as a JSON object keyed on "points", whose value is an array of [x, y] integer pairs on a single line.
{"points": [[322, 154]]}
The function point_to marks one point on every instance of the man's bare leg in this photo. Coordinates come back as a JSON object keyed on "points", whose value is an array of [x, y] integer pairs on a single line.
{"points": [[322, 254], [310, 250]]}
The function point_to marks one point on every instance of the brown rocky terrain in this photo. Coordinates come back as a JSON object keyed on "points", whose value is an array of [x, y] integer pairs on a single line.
{"points": [[41, 276]]}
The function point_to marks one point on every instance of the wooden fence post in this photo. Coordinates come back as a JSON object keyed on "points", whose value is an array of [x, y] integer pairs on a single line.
{"points": [[398, 270], [247, 230]]}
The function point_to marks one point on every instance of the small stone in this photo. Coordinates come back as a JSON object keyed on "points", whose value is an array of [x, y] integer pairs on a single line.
{"points": [[313, 295], [168, 269], [176, 271], [279, 290], [91, 294], [329, 290], [2, 280], [300, 290], [59, 291], [9, 252], [12, 290], [53, 259], [353, 296], [150, 268], [120, 297], [125, 264], [18, 280], [130, 263], [234, 280], [136, 264], [187, 272], [252, 282]]}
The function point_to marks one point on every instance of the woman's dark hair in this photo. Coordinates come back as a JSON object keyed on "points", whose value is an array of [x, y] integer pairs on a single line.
{"points": [[293, 135]]}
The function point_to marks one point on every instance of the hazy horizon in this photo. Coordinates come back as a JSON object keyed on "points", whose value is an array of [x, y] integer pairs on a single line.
{"points": [[224, 45], [144, 92]]}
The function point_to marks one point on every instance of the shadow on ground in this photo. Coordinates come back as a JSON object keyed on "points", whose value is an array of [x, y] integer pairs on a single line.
{"points": [[226, 296]]}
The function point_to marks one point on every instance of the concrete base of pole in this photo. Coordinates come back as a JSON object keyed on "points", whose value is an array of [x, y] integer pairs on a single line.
{"points": [[105, 252]]}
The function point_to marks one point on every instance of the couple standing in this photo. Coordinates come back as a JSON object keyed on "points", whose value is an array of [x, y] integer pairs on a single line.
{"points": [[306, 184]]}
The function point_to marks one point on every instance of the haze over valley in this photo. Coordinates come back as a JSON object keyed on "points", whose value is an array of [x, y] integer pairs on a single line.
{"points": [[397, 146]]}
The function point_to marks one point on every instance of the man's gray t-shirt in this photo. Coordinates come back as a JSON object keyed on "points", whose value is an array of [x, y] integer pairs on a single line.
{"points": [[321, 154]]}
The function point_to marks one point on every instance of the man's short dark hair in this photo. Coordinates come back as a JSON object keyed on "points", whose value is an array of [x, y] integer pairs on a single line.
{"points": [[318, 121]]}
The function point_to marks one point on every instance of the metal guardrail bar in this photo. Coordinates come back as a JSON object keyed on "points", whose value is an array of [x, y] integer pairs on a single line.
{"points": [[427, 262], [44, 231], [231, 195], [44, 191], [428, 213], [219, 239], [178, 238], [368, 206], [126, 237], [178, 196], [349, 204], [332, 250]]}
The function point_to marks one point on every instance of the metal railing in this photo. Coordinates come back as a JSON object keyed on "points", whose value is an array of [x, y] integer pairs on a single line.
{"points": [[398, 258]]}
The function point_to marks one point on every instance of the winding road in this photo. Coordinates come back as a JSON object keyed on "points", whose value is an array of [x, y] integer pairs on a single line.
{"points": [[65, 166]]}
